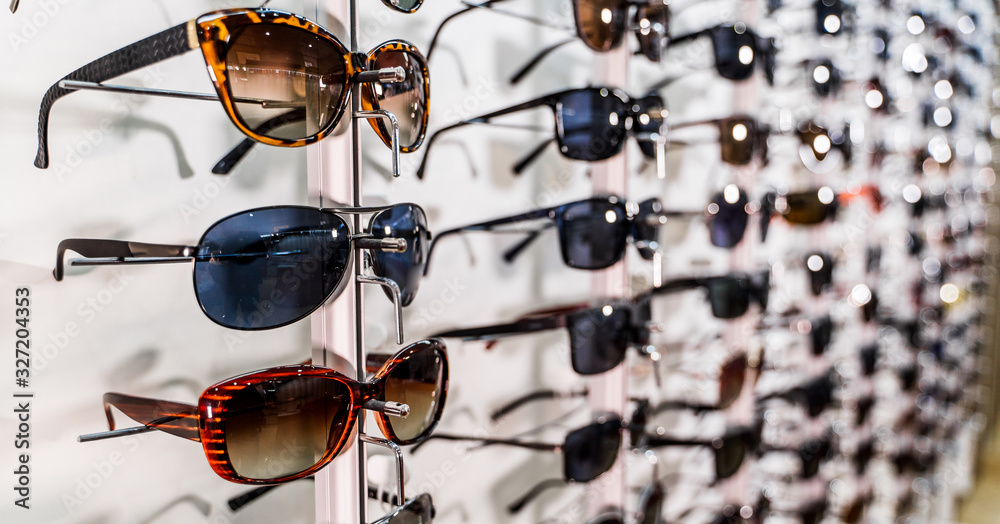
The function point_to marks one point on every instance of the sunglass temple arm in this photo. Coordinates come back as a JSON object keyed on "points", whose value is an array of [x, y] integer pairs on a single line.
{"points": [[124, 432], [394, 125], [397, 303], [398, 456]]}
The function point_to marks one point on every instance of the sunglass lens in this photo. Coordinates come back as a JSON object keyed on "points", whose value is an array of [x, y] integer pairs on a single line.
{"points": [[419, 381], [810, 207], [652, 22], [651, 126], [286, 83], [646, 228], [651, 505], [729, 296], [728, 217], [820, 272], [592, 124], [601, 23], [821, 335], [405, 6], [737, 140], [283, 427], [269, 267], [731, 381], [592, 450], [408, 100], [593, 233], [405, 222], [829, 16], [869, 359], [598, 338], [734, 52], [729, 457]]}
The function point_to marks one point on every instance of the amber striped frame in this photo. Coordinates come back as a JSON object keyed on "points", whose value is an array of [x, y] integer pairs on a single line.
{"points": [[369, 100], [214, 31], [206, 422]]}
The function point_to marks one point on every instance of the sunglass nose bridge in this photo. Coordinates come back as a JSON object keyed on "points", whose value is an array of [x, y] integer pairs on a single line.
{"points": [[393, 409]]}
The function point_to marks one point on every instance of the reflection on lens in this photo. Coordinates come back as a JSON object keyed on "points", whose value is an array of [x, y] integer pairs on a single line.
{"points": [[406, 269], [591, 124], [268, 267], [407, 100], [286, 83], [284, 427], [587, 238], [602, 23], [419, 382]]}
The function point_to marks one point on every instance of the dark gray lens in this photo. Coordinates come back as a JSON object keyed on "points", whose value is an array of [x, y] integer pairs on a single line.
{"points": [[593, 233], [728, 218], [268, 267], [592, 450], [598, 338], [729, 296], [735, 52], [591, 124]]}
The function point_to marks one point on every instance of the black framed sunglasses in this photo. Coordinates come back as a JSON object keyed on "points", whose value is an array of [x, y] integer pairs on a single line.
{"points": [[730, 449], [588, 452], [729, 295], [599, 336], [591, 124], [737, 50], [815, 394], [601, 24], [742, 138], [593, 233], [269, 267]]}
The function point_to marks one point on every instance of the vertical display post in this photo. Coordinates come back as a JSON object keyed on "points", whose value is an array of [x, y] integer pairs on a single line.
{"points": [[334, 172], [608, 391]]}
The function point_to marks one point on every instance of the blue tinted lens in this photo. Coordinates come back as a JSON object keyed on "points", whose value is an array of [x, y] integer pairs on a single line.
{"points": [[728, 220], [405, 269], [646, 228], [269, 267], [591, 124], [592, 233]]}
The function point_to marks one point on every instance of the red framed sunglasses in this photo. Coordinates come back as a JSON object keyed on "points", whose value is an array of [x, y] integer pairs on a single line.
{"points": [[281, 424]]}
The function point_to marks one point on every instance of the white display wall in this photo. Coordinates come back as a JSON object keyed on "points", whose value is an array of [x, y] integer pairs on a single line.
{"points": [[139, 168]]}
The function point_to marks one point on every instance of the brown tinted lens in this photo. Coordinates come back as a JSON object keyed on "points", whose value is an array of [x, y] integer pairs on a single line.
{"points": [[407, 100], [737, 140], [417, 381], [807, 208], [285, 82], [601, 23], [283, 427], [731, 381], [817, 139]]}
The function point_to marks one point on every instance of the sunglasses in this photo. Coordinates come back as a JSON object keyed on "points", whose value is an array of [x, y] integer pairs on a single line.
{"points": [[816, 394], [599, 337], [418, 510], [593, 233], [827, 79], [269, 267], [737, 50], [821, 141], [729, 295], [811, 454], [820, 266], [591, 124], [730, 450], [600, 24], [741, 138], [286, 423], [732, 374], [588, 452], [282, 79], [648, 511]]}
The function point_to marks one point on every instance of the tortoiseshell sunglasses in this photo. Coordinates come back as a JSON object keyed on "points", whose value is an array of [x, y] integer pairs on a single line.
{"points": [[282, 79], [286, 423], [403, 6]]}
